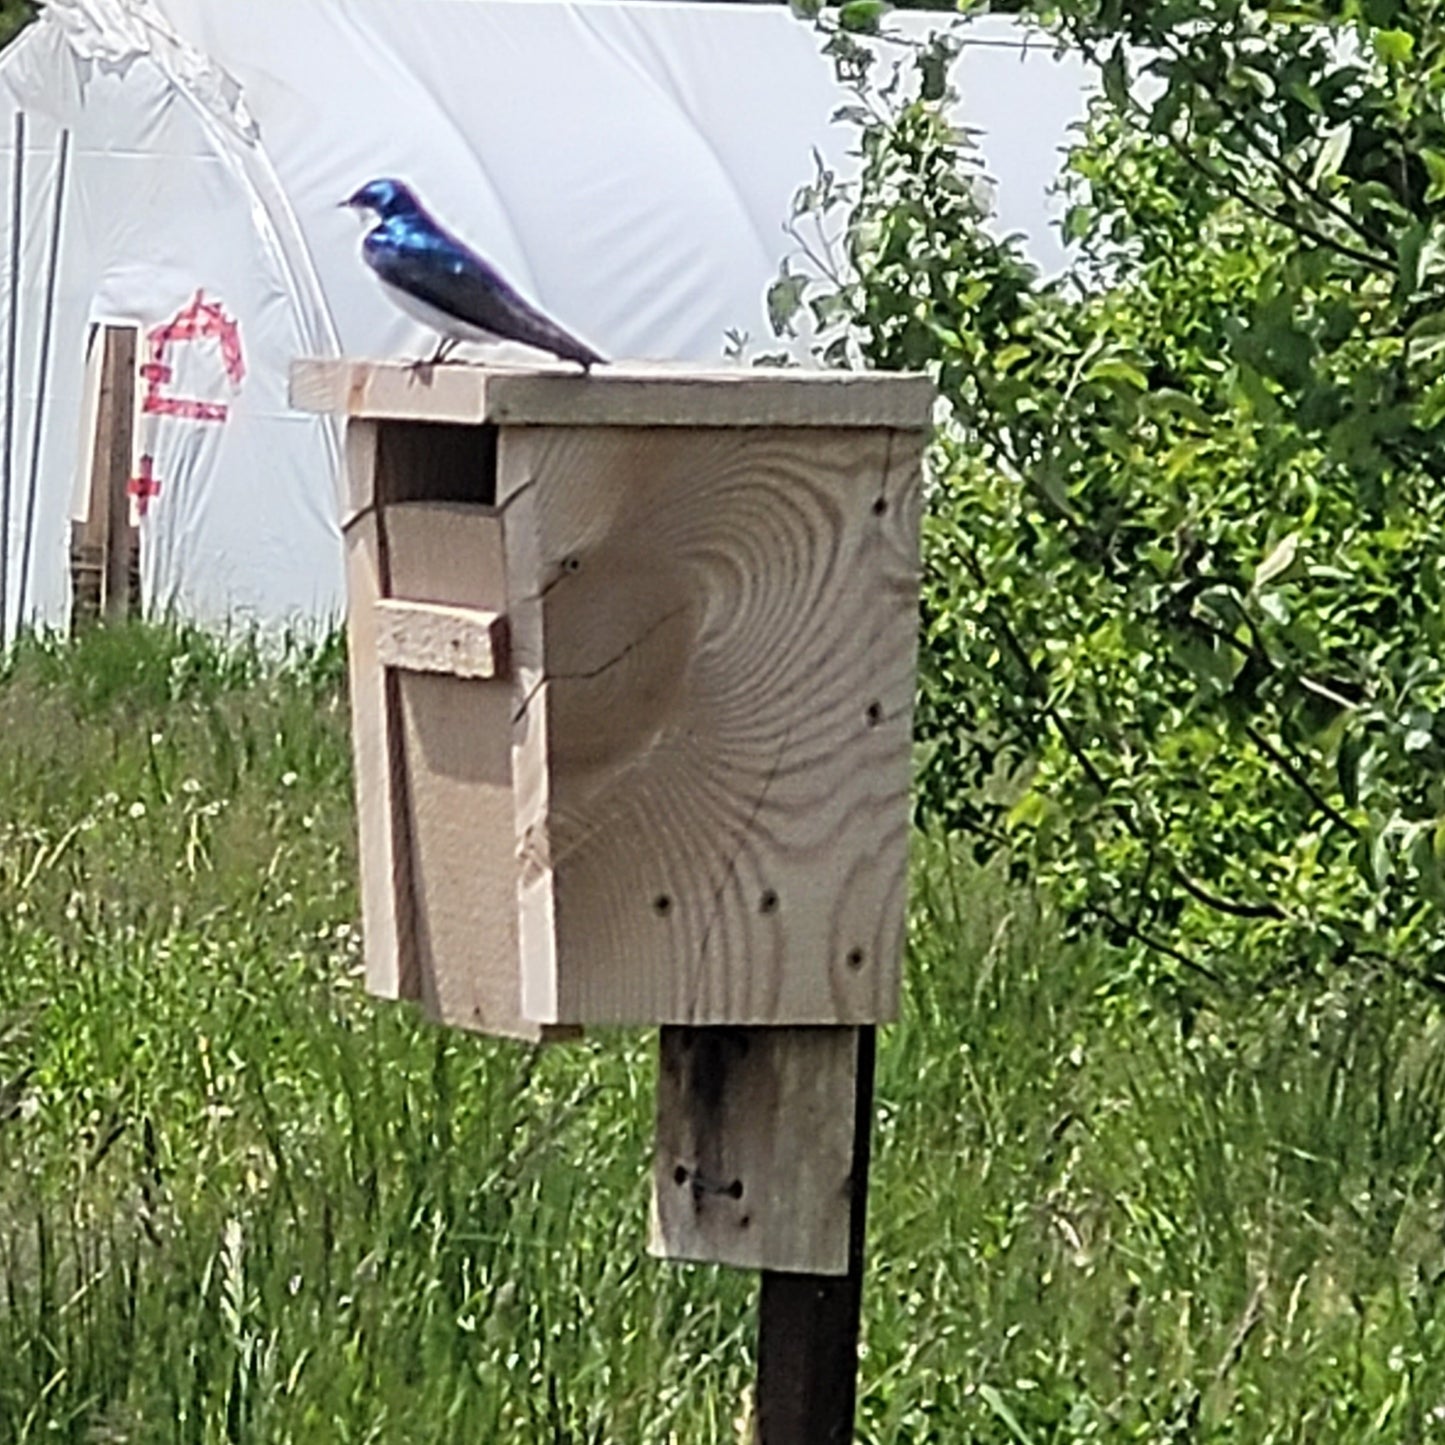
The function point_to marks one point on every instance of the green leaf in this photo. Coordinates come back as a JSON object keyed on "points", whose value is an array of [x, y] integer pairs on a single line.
{"points": [[1009, 356], [1430, 412], [1331, 153], [1408, 250], [1168, 401], [863, 17], [1394, 47], [1435, 168], [1116, 78], [1078, 222], [1281, 558], [1118, 368], [785, 298], [933, 63]]}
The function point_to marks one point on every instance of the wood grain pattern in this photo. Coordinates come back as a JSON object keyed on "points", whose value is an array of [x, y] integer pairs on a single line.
{"points": [[387, 924], [754, 1147], [621, 394], [454, 641], [457, 747], [713, 635]]}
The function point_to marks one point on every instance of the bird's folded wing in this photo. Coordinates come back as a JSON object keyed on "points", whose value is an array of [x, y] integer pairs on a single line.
{"points": [[456, 281]]}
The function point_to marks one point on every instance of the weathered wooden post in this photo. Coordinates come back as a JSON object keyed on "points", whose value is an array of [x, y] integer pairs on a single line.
{"points": [[632, 669], [103, 543]]}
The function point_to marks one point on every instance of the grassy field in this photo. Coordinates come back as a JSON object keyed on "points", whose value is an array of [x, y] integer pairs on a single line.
{"points": [[240, 1202]]}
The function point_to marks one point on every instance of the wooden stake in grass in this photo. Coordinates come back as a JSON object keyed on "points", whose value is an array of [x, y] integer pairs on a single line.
{"points": [[103, 545]]}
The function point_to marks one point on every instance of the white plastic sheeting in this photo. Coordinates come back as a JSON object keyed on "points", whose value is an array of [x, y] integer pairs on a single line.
{"points": [[628, 165]]}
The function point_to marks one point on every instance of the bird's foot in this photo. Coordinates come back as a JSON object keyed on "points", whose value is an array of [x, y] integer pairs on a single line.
{"points": [[421, 368]]}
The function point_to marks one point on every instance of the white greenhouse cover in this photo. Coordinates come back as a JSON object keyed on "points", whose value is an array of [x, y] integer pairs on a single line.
{"points": [[628, 165]]}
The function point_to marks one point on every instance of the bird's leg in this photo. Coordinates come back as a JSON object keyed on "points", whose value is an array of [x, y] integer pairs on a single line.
{"points": [[422, 365]]}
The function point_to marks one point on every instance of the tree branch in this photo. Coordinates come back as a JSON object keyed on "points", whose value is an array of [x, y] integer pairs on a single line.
{"points": [[1292, 771], [1226, 905], [1150, 941]]}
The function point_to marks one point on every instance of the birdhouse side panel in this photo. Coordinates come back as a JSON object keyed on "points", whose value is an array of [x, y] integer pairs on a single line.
{"points": [[715, 632], [387, 925], [456, 734]]}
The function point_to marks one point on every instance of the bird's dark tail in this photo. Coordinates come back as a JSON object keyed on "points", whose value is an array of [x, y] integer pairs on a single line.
{"points": [[541, 331], [569, 348]]}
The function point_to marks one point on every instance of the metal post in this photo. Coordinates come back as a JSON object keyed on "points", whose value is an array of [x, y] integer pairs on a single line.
{"points": [[42, 380], [12, 330], [808, 1323]]}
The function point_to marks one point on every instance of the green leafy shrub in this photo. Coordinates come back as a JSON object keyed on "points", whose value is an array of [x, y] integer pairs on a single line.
{"points": [[1184, 552]]}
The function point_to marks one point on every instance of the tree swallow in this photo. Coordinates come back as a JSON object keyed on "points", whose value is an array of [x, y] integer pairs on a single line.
{"points": [[445, 285]]}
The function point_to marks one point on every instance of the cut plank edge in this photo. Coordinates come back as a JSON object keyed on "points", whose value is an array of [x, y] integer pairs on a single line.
{"points": [[434, 637], [625, 394]]}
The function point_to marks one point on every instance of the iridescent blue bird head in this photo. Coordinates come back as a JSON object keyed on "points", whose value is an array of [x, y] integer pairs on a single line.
{"points": [[385, 198]]}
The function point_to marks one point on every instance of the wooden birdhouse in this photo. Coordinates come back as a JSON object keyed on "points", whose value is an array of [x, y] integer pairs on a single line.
{"points": [[632, 670]]}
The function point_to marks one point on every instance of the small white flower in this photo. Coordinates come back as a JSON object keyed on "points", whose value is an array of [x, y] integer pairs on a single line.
{"points": [[137, 809], [190, 786], [288, 780]]}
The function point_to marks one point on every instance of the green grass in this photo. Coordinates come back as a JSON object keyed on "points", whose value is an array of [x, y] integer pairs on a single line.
{"points": [[239, 1201]]}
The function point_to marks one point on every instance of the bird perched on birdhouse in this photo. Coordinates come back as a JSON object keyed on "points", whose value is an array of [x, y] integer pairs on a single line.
{"points": [[441, 282]]}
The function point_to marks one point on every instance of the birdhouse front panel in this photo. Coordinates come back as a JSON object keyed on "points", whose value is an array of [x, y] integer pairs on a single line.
{"points": [[713, 636]]}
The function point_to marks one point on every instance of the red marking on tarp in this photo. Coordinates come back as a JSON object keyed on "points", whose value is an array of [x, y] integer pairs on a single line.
{"points": [[202, 320], [145, 486], [186, 409]]}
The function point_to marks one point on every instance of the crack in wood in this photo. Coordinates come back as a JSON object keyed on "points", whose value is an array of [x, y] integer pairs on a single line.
{"points": [[587, 674]]}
